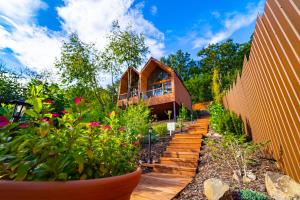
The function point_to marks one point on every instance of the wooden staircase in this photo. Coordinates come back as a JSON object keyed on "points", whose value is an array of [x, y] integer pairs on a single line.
{"points": [[182, 154], [176, 167]]}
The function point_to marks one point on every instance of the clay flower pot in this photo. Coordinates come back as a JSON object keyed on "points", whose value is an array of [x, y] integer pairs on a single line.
{"points": [[117, 187]]}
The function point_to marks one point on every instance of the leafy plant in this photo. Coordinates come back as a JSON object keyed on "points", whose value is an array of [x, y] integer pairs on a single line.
{"points": [[252, 195], [70, 145], [136, 119], [183, 115], [216, 86], [235, 147], [225, 121], [160, 129]]}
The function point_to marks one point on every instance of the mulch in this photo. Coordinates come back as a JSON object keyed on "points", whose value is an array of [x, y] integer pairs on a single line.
{"points": [[211, 168]]}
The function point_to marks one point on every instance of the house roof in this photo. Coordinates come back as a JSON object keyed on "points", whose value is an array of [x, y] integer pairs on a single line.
{"points": [[162, 65]]}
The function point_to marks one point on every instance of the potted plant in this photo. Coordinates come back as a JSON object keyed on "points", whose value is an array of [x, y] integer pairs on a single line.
{"points": [[69, 154]]}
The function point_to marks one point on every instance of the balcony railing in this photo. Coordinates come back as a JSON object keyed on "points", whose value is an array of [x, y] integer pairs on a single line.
{"points": [[124, 95], [165, 89]]}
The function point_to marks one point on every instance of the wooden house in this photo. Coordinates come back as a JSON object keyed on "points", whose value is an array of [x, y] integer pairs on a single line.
{"points": [[158, 85]]}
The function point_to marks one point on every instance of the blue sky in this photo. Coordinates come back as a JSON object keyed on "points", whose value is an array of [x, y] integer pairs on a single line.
{"points": [[32, 31]]}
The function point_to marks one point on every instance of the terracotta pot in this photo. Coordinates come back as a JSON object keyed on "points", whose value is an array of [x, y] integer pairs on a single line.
{"points": [[117, 187]]}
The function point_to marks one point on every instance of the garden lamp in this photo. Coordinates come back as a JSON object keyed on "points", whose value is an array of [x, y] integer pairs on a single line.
{"points": [[19, 109], [149, 147]]}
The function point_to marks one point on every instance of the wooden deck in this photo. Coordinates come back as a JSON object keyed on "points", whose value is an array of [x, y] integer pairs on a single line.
{"points": [[177, 166]]}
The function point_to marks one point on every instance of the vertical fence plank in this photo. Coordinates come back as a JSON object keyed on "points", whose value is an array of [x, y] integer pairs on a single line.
{"points": [[266, 95]]}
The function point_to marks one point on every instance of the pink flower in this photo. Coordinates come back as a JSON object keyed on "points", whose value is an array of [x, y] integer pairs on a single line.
{"points": [[3, 121], [77, 100], [45, 120], [136, 143], [93, 124], [55, 114], [106, 127], [49, 101], [23, 125]]}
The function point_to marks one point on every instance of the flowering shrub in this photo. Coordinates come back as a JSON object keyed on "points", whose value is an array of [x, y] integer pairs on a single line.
{"points": [[68, 145]]}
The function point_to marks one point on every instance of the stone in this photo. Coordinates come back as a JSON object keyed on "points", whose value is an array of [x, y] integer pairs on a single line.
{"points": [[282, 187], [214, 188], [246, 179], [235, 176], [251, 175]]}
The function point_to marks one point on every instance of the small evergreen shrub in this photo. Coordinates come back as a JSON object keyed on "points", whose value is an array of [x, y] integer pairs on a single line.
{"points": [[225, 121], [160, 129], [252, 195]]}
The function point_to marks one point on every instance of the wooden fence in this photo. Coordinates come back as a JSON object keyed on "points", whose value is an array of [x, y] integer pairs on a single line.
{"points": [[267, 93]]}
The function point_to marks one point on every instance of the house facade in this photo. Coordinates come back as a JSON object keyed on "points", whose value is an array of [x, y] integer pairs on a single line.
{"points": [[158, 85]]}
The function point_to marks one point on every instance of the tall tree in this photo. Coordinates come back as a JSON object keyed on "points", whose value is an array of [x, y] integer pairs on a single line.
{"points": [[227, 57], [78, 66], [126, 49], [182, 63]]}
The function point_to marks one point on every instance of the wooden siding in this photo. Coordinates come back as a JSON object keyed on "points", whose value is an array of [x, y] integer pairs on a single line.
{"points": [[267, 94], [182, 96], [179, 94]]}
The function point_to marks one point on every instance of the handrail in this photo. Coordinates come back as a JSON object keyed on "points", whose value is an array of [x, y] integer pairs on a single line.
{"points": [[149, 93]]}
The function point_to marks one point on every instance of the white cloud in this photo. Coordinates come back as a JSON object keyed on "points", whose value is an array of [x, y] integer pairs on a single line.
{"points": [[153, 10], [21, 10], [37, 46], [233, 22]]}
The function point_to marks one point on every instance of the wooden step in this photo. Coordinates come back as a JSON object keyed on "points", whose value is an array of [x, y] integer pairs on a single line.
{"points": [[177, 149], [183, 162], [182, 154], [188, 136], [185, 145], [186, 140], [174, 169]]}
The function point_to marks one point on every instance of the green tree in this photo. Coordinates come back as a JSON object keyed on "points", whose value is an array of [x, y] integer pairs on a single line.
{"points": [[182, 63], [216, 86], [10, 86], [78, 66], [199, 86], [126, 49], [227, 57]]}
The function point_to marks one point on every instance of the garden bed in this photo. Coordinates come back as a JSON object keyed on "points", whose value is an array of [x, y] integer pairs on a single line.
{"points": [[157, 148], [210, 168]]}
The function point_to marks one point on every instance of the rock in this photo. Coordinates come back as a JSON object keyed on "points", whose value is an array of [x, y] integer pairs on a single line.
{"points": [[214, 188], [235, 176], [246, 179], [282, 187], [251, 175]]}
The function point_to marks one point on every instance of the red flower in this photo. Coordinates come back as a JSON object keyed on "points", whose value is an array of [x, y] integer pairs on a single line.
{"points": [[77, 100], [93, 124], [80, 118], [64, 111], [49, 101], [55, 114], [136, 143], [3, 121], [23, 125], [106, 127]]}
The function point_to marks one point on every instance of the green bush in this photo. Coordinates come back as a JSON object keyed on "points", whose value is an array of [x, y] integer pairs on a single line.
{"points": [[160, 129], [136, 119], [225, 121], [70, 145], [252, 195]]}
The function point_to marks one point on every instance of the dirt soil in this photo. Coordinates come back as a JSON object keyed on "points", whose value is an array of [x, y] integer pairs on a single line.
{"points": [[211, 168]]}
